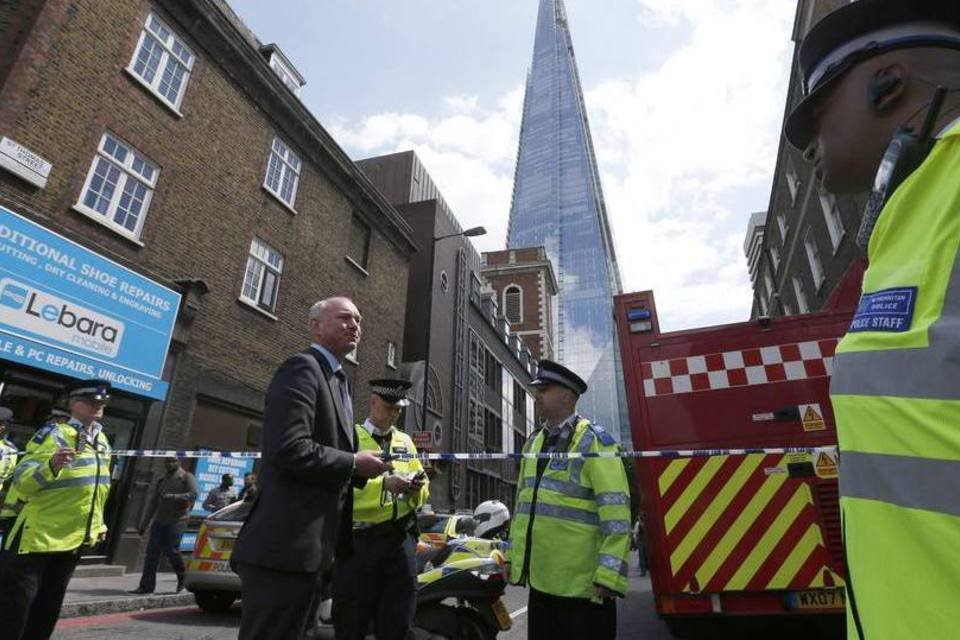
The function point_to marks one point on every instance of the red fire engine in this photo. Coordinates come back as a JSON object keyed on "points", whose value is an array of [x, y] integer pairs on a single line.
{"points": [[752, 534]]}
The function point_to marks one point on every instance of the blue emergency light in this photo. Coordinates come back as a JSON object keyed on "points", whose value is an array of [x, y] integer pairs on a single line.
{"points": [[638, 314]]}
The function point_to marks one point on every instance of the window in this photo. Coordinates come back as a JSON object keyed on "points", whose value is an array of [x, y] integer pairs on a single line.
{"points": [[787, 309], [392, 355], [283, 172], [286, 73], [784, 228], [768, 283], [762, 302], [512, 304], [359, 249], [119, 187], [799, 294], [813, 257], [162, 62], [775, 257], [831, 214], [261, 280], [793, 184]]}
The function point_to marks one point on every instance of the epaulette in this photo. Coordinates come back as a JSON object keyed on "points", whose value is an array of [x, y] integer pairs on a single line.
{"points": [[43, 432], [606, 438]]}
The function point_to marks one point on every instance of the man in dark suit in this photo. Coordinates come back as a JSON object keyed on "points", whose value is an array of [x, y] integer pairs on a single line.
{"points": [[302, 515]]}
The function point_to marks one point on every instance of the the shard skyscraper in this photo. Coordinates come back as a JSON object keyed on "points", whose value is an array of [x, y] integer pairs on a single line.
{"points": [[558, 203]]}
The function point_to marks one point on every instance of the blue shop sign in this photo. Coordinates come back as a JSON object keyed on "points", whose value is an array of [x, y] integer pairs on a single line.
{"points": [[209, 472], [66, 309]]}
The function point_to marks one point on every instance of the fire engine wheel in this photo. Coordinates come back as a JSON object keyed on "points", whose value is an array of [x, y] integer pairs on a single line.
{"points": [[215, 601]]}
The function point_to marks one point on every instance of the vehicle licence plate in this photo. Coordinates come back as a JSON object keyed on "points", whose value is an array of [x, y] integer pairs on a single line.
{"points": [[503, 618], [817, 599]]}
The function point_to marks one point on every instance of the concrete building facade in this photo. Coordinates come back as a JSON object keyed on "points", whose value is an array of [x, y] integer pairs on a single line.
{"points": [[175, 148], [809, 234], [478, 396]]}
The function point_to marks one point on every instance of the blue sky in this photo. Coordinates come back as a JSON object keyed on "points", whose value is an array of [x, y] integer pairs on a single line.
{"points": [[685, 100]]}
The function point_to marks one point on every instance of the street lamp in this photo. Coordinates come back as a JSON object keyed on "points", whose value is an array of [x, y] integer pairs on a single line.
{"points": [[469, 233]]}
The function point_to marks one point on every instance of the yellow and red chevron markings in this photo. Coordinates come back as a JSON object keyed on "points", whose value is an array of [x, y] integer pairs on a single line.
{"points": [[740, 523], [204, 556]]}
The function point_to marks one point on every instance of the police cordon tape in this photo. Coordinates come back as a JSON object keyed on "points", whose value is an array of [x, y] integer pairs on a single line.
{"points": [[556, 455]]}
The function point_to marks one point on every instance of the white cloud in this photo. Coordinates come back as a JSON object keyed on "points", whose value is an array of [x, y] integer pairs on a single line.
{"points": [[678, 147]]}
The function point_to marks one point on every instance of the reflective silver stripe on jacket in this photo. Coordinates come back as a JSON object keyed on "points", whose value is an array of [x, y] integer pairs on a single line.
{"points": [[76, 482], [931, 372], [904, 481], [612, 497], [614, 527], [560, 486], [561, 513], [23, 467], [614, 564]]}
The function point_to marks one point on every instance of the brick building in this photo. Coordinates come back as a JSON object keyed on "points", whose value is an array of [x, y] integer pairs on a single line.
{"points": [[480, 370], [809, 237], [164, 141], [526, 288]]}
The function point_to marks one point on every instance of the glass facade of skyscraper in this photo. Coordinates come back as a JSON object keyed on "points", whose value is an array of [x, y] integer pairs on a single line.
{"points": [[558, 203]]}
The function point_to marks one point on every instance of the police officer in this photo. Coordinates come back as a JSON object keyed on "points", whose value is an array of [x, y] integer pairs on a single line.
{"points": [[8, 450], [570, 535], [378, 582], [881, 79], [63, 479]]}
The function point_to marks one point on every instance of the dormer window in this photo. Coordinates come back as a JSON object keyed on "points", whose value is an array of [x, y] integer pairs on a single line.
{"points": [[283, 68]]}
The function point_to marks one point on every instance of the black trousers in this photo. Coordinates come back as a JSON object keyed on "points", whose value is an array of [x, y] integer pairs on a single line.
{"points": [[378, 583], [274, 604], [552, 617], [164, 540], [32, 586]]}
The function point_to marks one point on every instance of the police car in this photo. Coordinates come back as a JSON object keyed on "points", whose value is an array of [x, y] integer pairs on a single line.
{"points": [[436, 529], [208, 575]]}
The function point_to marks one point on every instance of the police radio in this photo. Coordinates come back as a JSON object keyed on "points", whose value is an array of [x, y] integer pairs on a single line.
{"points": [[907, 151]]}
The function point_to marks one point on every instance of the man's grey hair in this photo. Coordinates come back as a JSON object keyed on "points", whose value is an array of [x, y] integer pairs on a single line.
{"points": [[319, 307]]}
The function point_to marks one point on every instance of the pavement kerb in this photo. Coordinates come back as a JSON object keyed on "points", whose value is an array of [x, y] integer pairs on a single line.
{"points": [[121, 605]]}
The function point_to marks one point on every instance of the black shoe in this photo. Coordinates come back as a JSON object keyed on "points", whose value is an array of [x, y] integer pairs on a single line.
{"points": [[140, 591], [179, 584]]}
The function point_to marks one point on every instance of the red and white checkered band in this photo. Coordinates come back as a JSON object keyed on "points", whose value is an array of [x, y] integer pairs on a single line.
{"points": [[780, 363]]}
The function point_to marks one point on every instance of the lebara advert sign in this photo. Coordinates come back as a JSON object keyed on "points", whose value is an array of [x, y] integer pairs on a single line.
{"points": [[66, 309]]}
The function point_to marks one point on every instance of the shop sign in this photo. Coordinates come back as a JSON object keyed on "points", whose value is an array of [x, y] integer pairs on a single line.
{"points": [[422, 440], [66, 309], [209, 472]]}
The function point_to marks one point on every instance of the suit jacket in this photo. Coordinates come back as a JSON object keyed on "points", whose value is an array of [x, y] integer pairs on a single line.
{"points": [[305, 504]]}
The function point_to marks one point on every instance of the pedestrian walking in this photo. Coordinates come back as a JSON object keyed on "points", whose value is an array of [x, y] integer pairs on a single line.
{"points": [[570, 535], [168, 508], [881, 81], [221, 496], [378, 582], [62, 483], [303, 514], [249, 490]]}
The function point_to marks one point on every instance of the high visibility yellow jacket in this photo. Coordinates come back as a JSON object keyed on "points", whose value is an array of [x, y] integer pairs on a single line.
{"points": [[61, 511], [8, 460], [896, 394], [571, 528], [371, 504]]}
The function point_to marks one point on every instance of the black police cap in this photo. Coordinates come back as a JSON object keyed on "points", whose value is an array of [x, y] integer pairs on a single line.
{"points": [[96, 389], [551, 372], [862, 30], [393, 390]]}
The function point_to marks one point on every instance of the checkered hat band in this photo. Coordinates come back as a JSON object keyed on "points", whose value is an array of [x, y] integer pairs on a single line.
{"points": [[391, 392], [748, 367]]}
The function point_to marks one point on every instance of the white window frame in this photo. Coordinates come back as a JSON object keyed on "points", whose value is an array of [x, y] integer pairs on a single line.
{"points": [[173, 51], [831, 215], [287, 162], [783, 226], [285, 73], [793, 184], [520, 309], [135, 167], [800, 295], [262, 260], [813, 258], [392, 355]]}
